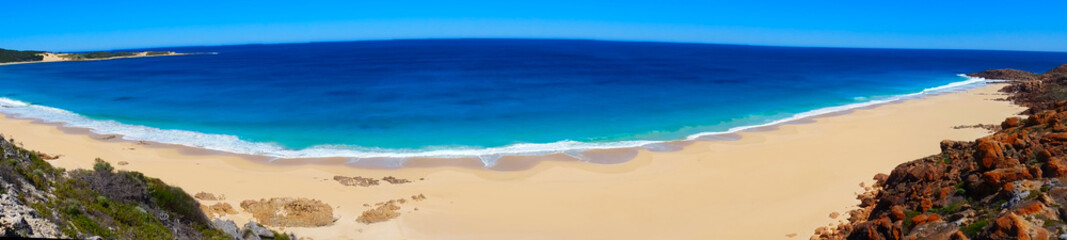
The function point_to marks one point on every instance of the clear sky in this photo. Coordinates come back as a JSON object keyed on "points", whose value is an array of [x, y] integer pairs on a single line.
{"points": [[68, 25]]}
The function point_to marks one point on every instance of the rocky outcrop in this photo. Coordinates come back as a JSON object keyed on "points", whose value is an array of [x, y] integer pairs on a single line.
{"points": [[251, 231], [19, 220], [39, 201], [1006, 74], [290, 212], [1035, 91], [254, 228], [218, 210], [1005, 186], [228, 227]]}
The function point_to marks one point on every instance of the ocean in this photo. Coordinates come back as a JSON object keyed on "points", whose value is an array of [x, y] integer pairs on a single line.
{"points": [[475, 97]]}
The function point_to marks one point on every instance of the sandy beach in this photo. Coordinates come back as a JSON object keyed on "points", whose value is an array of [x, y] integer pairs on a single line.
{"points": [[787, 178]]}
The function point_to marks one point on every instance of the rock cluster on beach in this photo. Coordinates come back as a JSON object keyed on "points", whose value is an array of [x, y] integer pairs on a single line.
{"points": [[359, 181], [290, 212], [1009, 185], [384, 211]]}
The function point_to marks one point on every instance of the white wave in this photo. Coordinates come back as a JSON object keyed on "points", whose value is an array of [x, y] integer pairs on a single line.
{"points": [[971, 82], [488, 156]]}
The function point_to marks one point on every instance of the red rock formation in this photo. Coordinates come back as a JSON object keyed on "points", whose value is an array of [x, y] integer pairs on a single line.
{"points": [[1003, 186]]}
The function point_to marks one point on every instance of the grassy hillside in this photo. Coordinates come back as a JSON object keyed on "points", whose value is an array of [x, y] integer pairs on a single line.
{"points": [[100, 202]]}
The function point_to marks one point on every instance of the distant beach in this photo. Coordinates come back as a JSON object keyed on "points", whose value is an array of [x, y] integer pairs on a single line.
{"points": [[67, 57]]}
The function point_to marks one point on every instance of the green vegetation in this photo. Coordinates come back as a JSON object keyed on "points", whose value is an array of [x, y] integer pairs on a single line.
{"points": [[908, 215], [1056, 92], [280, 236], [104, 202], [973, 229], [951, 208], [19, 56], [155, 53], [99, 55]]}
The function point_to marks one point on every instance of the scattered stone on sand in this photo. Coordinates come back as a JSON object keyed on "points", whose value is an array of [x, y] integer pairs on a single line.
{"points": [[356, 181], [207, 196], [218, 210], [367, 182], [791, 235], [123, 163], [108, 137], [834, 215], [992, 128], [142, 143], [290, 212], [383, 212], [393, 180]]}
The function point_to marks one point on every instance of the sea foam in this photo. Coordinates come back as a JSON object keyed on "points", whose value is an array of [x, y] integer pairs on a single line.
{"points": [[488, 156]]}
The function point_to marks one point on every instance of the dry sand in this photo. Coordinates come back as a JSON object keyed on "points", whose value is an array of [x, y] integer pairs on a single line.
{"points": [[767, 185]]}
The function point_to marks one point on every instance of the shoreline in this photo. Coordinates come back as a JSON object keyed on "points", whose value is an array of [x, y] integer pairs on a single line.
{"points": [[52, 57], [788, 173], [486, 157]]}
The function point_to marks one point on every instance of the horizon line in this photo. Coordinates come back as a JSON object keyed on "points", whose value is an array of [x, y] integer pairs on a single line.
{"points": [[543, 38]]}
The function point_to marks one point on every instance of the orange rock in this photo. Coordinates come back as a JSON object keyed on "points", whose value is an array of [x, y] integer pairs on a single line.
{"points": [[1000, 176], [897, 212], [1011, 122], [992, 177], [926, 204], [1011, 226], [944, 192], [1030, 209], [989, 153], [879, 179], [920, 219], [1055, 167], [1054, 137]]}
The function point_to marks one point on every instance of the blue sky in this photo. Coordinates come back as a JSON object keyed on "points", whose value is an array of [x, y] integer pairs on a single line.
{"points": [[102, 25]]}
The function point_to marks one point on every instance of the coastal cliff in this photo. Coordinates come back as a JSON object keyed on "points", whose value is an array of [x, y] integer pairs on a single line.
{"points": [[1009, 185]]}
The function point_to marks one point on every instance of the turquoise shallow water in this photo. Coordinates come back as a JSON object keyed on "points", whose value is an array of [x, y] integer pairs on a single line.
{"points": [[466, 97]]}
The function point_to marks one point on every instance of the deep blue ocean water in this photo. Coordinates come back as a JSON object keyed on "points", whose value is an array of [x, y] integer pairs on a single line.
{"points": [[463, 96]]}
